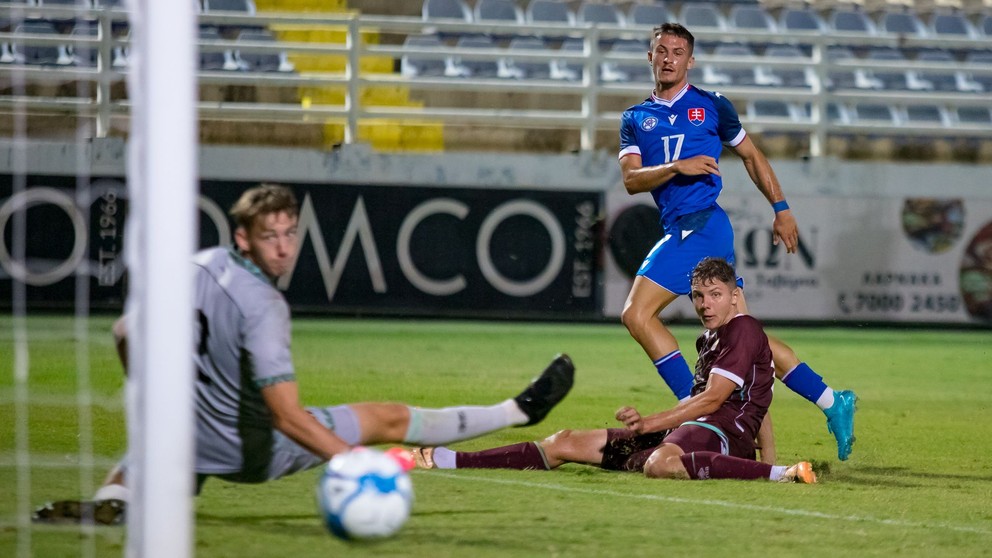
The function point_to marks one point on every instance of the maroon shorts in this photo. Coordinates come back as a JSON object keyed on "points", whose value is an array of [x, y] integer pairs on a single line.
{"points": [[691, 437], [625, 451]]}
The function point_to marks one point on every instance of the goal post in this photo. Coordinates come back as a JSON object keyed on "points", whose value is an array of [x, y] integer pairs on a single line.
{"points": [[162, 186]]}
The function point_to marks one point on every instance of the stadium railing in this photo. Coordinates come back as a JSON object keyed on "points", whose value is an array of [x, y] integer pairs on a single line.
{"points": [[587, 116]]}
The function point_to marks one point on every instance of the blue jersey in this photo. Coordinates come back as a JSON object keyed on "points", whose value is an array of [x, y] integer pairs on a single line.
{"points": [[694, 122]]}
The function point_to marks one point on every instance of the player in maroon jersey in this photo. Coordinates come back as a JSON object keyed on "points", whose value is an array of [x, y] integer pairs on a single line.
{"points": [[710, 435]]}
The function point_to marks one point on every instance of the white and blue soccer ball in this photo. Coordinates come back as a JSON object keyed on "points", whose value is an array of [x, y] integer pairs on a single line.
{"points": [[364, 494]]}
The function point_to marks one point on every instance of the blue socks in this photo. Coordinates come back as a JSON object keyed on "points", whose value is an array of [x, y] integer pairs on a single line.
{"points": [[802, 379], [675, 371], [805, 382]]}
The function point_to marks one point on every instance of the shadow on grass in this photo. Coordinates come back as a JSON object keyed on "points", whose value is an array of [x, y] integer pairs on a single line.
{"points": [[900, 477], [455, 512], [280, 524], [276, 521]]}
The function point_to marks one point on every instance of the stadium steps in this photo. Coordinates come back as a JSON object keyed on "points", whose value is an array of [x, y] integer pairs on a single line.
{"points": [[387, 135], [301, 6], [381, 134]]}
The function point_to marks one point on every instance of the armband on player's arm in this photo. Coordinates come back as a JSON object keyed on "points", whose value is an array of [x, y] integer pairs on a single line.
{"points": [[780, 206]]}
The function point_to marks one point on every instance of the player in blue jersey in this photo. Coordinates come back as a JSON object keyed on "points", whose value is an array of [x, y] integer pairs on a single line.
{"points": [[670, 146], [250, 426]]}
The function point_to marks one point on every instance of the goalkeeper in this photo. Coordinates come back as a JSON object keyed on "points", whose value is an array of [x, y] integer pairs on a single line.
{"points": [[250, 425]]}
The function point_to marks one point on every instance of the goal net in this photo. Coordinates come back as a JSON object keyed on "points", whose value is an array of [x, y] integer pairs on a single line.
{"points": [[66, 239]]}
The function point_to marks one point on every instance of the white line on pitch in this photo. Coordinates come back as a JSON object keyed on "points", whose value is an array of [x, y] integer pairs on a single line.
{"points": [[721, 503]]}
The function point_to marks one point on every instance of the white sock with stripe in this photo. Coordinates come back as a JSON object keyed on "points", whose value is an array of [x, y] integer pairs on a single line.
{"points": [[434, 427]]}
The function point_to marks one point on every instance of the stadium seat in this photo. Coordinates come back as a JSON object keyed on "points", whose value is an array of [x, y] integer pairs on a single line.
{"points": [[85, 55], [6, 54], [650, 15], [459, 67], [721, 74], [57, 55], [848, 78], [702, 15], [952, 24], [549, 11], [211, 60], [801, 19], [119, 53], [981, 116], [566, 70], [498, 11], [70, 3], [896, 80], [525, 69], [446, 9], [637, 70], [750, 17], [229, 31], [837, 113], [119, 56], [942, 80], [786, 77], [61, 21], [984, 58], [902, 23], [854, 21], [604, 14], [261, 62], [229, 6], [770, 109], [413, 65], [926, 115], [873, 113], [985, 25]]}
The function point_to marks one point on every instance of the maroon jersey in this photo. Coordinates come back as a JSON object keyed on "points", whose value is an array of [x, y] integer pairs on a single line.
{"points": [[738, 350]]}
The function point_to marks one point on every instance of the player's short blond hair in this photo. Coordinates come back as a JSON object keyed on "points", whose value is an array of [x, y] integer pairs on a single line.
{"points": [[264, 199]]}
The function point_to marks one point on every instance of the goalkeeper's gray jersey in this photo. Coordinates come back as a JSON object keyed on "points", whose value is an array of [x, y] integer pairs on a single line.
{"points": [[242, 344]]}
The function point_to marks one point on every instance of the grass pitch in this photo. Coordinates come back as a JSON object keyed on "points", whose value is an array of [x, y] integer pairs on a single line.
{"points": [[919, 482]]}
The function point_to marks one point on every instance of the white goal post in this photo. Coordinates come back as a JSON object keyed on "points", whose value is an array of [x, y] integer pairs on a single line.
{"points": [[162, 187]]}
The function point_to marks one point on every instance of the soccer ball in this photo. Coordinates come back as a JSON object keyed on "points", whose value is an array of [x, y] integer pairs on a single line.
{"points": [[364, 494]]}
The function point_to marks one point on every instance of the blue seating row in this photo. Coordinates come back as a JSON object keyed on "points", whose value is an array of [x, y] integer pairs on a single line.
{"points": [[847, 19], [873, 112], [69, 55], [83, 56], [218, 5], [762, 72]]}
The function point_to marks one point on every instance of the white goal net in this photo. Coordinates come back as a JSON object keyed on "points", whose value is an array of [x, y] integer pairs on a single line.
{"points": [[62, 237]]}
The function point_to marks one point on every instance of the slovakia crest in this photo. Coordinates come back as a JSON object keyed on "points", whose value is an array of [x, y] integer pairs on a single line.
{"points": [[697, 115], [649, 123]]}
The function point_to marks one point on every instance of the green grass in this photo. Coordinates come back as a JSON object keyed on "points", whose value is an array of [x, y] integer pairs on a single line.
{"points": [[918, 484]]}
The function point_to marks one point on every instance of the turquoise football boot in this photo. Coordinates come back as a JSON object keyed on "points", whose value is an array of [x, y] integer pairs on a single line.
{"points": [[840, 421]]}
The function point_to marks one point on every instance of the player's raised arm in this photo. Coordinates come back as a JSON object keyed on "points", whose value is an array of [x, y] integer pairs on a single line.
{"points": [[761, 173]]}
